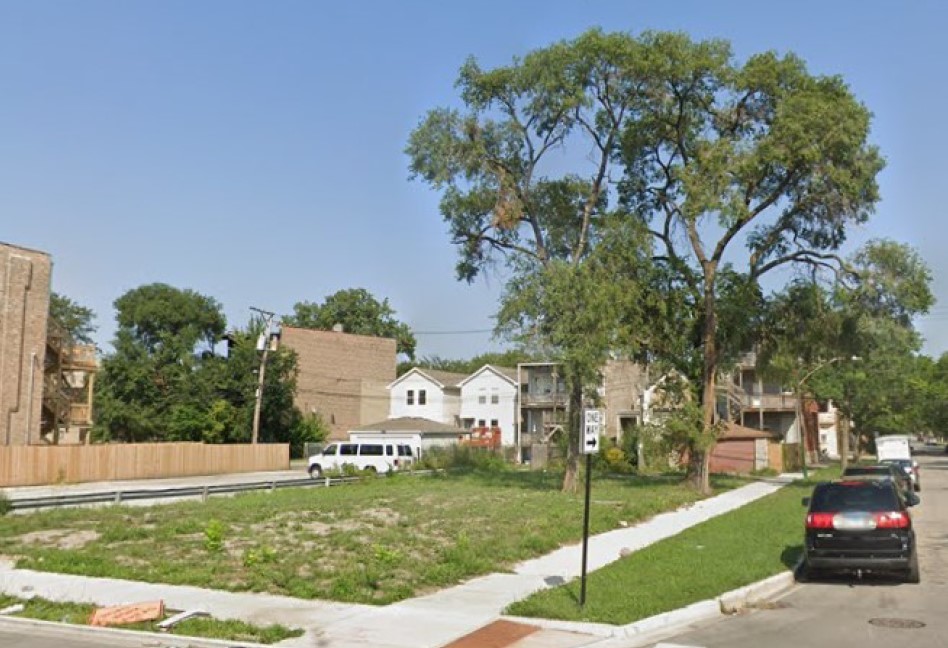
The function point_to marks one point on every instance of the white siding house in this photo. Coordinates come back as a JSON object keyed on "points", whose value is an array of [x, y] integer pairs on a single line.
{"points": [[428, 394], [489, 400]]}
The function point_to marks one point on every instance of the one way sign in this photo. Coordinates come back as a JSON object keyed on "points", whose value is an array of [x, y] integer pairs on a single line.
{"points": [[592, 426]]}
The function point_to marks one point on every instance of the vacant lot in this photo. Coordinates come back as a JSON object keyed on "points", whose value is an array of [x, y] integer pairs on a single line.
{"points": [[378, 541]]}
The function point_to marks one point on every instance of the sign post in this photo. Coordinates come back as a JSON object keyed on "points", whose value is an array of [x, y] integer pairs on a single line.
{"points": [[592, 424]]}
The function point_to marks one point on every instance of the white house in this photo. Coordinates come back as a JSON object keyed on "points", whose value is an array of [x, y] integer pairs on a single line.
{"points": [[428, 394], [489, 401]]}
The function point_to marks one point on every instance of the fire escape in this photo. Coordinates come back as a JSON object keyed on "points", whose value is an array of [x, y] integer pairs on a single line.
{"points": [[68, 383]]}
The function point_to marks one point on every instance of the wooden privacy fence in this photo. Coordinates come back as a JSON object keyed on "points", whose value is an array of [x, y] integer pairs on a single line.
{"points": [[45, 465]]}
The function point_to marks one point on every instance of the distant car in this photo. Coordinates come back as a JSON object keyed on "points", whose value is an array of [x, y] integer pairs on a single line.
{"points": [[885, 471], [910, 468], [858, 525], [366, 456]]}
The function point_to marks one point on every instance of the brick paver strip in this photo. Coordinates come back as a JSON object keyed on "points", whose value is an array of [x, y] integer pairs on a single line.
{"points": [[124, 614], [498, 634]]}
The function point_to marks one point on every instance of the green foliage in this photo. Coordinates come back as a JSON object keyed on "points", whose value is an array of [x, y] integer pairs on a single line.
{"points": [[309, 428], [5, 505], [214, 534], [76, 319], [163, 382], [462, 457], [710, 153], [358, 312]]}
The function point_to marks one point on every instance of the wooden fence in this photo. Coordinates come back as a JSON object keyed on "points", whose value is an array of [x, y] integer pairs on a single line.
{"points": [[46, 465]]}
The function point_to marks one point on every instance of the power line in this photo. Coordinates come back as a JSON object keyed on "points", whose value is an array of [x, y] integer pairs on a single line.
{"points": [[468, 332]]}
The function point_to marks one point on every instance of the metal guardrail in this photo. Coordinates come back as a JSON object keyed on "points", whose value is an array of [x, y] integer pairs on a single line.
{"points": [[203, 491]]}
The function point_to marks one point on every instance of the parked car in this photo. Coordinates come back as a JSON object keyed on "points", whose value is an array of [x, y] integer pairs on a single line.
{"points": [[861, 525], [885, 471], [373, 457], [910, 468]]}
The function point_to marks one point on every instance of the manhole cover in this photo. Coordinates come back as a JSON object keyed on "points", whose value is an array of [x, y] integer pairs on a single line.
{"points": [[897, 623]]}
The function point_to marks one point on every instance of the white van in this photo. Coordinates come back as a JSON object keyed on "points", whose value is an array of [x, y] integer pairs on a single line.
{"points": [[374, 457]]}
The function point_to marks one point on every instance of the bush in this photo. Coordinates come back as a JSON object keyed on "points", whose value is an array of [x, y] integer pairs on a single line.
{"points": [[310, 428], [5, 505], [461, 456]]}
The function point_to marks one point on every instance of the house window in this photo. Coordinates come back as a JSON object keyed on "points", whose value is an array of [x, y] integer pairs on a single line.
{"points": [[494, 423], [481, 423], [494, 399], [422, 397], [482, 399], [410, 397]]}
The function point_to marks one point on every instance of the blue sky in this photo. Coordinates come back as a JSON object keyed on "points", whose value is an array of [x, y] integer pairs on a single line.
{"points": [[253, 151]]}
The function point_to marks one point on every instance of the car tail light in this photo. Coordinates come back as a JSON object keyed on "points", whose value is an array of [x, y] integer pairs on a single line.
{"points": [[894, 520], [819, 520]]}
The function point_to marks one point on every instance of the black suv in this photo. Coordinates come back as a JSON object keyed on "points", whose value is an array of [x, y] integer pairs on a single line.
{"points": [[859, 525]]}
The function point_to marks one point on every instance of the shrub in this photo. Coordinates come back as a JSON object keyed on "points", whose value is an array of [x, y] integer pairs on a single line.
{"points": [[461, 456], [5, 505], [214, 536]]}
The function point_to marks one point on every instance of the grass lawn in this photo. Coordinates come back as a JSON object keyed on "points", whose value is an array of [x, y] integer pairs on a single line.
{"points": [[80, 613], [377, 541], [749, 544]]}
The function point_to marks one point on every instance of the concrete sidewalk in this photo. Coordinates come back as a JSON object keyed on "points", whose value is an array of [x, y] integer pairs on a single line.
{"points": [[428, 621]]}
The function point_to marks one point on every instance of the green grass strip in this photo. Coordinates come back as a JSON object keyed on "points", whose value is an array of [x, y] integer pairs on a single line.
{"points": [[208, 628], [749, 544]]}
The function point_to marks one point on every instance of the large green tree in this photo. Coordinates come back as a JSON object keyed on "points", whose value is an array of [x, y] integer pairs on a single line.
{"points": [[78, 320], [854, 338], [357, 311], [165, 382], [736, 169]]}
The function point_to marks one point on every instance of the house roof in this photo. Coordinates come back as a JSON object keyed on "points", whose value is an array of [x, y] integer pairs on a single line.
{"points": [[411, 424], [444, 379], [508, 374], [735, 431]]}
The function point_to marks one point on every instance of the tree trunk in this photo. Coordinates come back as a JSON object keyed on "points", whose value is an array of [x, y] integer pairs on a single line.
{"points": [[575, 412], [700, 456]]}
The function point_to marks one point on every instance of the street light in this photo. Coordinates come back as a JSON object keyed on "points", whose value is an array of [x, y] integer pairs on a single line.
{"points": [[799, 406]]}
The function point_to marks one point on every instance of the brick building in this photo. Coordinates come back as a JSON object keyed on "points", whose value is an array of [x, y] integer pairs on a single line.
{"points": [[342, 377], [24, 309]]}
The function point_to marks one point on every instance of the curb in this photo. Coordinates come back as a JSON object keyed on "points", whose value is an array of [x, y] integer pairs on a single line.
{"points": [[150, 639], [724, 605]]}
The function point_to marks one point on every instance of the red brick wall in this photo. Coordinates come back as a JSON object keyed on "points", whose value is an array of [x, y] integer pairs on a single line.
{"points": [[24, 308], [342, 376]]}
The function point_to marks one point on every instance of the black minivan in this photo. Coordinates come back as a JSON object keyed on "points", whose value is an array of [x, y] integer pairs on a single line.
{"points": [[859, 525]]}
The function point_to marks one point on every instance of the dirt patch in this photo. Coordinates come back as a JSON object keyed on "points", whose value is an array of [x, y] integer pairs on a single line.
{"points": [[65, 539]]}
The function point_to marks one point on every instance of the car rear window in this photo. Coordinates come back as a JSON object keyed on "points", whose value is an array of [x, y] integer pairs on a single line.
{"points": [[404, 451], [854, 496]]}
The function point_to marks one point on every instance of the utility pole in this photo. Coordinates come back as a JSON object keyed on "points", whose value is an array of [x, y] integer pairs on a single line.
{"points": [[268, 320]]}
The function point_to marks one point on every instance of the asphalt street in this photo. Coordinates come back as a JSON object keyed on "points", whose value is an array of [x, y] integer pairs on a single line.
{"points": [[869, 613]]}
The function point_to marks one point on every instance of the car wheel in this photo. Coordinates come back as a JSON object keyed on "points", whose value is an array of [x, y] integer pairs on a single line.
{"points": [[315, 471], [805, 573], [913, 575]]}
